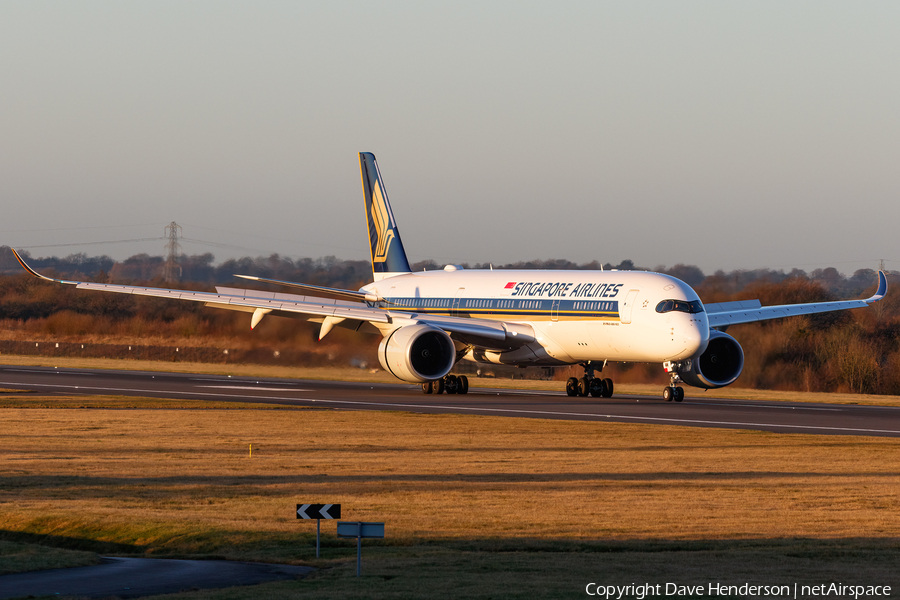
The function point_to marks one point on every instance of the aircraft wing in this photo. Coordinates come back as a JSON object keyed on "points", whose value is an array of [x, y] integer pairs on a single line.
{"points": [[494, 335], [343, 294], [749, 311], [244, 300]]}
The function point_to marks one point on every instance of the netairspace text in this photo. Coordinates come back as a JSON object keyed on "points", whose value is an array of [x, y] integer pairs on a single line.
{"points": [[822, 590]]}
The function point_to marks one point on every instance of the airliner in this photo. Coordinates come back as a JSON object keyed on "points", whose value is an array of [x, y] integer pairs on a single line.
{"points": [[431, 320]]}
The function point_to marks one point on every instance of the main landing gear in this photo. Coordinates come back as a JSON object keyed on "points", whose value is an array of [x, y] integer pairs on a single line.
{"points": [[589, 384], [673, 392], [452, 384]]}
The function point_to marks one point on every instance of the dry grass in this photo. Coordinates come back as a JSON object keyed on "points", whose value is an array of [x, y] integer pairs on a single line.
{"points": [[16, 558], [535, 575], [122, 474], [380, 376], [474, 506]]}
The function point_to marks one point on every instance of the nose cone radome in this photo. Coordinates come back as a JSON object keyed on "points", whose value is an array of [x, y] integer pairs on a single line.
{"points": [[696, 334]]}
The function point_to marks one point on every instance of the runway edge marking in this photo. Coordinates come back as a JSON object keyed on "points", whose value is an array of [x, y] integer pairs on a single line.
{"points": [[473, 409]]}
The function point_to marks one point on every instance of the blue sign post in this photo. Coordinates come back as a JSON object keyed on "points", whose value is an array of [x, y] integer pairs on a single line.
{"points": [[359, 530]]}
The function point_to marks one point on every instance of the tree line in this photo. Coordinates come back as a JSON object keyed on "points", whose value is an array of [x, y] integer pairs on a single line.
{"points": [[854, 351]]}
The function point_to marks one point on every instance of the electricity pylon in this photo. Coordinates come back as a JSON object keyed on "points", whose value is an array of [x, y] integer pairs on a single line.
{"points": [[173, 251]]}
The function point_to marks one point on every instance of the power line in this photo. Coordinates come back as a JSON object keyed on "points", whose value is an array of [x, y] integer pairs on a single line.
{"points": [[76, 228], [153, 239], [271, 239], [221, 245]]}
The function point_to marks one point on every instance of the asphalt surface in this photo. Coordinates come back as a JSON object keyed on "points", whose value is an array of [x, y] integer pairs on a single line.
{"points": [[134, 577], [699, 409]]}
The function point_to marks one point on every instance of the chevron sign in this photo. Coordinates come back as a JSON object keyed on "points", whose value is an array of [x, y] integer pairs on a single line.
{"points": [[318, 511]]}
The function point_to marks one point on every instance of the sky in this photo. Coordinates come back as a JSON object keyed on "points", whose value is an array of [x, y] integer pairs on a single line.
{"points": [[727, 135]]}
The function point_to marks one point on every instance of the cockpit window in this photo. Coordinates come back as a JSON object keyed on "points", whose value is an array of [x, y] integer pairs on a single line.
{"points": [[684, 306]]}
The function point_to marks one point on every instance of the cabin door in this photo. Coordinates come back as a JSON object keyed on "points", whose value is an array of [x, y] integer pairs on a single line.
{"points": [[625, 309], [454, 311]]}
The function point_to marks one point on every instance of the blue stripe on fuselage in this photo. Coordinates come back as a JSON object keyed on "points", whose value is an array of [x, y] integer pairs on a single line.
{"points": [[500, 308]]}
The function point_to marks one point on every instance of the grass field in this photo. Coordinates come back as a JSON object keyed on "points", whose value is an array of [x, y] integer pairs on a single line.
{"points": [[480, 507]]}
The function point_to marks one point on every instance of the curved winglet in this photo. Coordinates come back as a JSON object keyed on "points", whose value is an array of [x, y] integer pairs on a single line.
{"points": [[33, 272], [882, 288]]}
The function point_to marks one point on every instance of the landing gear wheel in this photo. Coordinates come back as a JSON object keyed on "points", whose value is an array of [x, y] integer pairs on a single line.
{"points": [[668, 394], [597, 388], [438, 386], [463, 385], [451, 384], [607, 388], [679, 394], [428, 387], [584, 386], [571, 386]]}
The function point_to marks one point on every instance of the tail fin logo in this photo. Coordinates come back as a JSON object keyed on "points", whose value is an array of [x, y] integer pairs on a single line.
{"points": [[381, 217], [388, 257]]}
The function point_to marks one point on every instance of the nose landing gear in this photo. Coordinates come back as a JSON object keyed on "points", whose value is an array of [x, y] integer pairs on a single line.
{"points": [[673, 392], [589, 384]]}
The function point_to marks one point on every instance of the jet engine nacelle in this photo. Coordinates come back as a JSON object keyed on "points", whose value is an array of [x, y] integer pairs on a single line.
{"points": [[719, 365], [417, 353]]}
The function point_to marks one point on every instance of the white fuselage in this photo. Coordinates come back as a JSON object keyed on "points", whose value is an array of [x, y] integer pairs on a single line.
{"points": [[576, 316]]}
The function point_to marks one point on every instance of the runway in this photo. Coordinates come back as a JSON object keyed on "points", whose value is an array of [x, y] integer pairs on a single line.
{"points": [[134, 577], [695, 411]]}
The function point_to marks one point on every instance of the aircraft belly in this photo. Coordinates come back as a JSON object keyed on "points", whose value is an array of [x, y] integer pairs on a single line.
{"points": [[628, 342], [551, 342], [606, 336], [532, 355], [572, 336]]}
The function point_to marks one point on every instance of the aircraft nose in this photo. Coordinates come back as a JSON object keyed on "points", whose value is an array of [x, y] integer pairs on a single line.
{"points": [[696, 335]]}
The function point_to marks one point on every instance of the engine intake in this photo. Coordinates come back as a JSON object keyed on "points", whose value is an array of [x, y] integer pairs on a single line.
{"points": [[417, 353], [719, 365]]}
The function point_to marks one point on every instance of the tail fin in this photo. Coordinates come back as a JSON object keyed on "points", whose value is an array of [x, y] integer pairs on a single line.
{"points": [[388, 256]]}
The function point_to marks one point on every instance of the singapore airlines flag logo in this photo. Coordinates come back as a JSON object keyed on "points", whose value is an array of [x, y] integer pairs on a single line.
{"points": [[381, 217]]}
